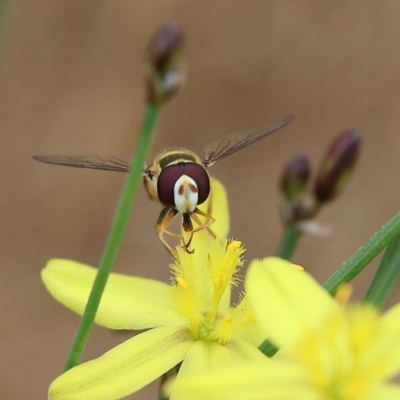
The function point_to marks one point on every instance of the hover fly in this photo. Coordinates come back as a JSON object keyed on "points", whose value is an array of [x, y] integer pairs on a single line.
{"points": [[178, 178]]}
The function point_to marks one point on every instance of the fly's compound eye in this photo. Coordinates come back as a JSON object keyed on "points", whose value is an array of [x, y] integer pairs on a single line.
{"points": [[200, 176], [170, 175]]}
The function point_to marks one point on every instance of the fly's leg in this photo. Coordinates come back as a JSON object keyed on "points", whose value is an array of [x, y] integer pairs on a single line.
{"points": [[209, 220], [201, 226], [163, 221], [208, 216], [168, 214]]}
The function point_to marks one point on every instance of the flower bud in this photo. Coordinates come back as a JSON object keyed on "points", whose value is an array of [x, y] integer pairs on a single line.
{"points": [[301, 208], [337, 166], [164, 73], [295, 177]]}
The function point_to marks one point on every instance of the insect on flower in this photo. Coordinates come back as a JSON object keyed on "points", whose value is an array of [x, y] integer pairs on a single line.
{"points": [[178, 178]]}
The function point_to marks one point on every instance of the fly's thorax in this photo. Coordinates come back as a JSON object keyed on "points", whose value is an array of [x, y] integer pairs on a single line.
{"points": [[174, 156]]}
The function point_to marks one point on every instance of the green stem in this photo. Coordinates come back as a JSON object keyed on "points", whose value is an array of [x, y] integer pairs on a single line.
{"points": [[387, 276], [364, 255], [289, 243], [268, 348], [171, 374], [6, 7], [116, 233]]}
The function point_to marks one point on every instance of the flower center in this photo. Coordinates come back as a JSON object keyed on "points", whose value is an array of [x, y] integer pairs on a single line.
{"points": [[341, 357], [203, 283]]}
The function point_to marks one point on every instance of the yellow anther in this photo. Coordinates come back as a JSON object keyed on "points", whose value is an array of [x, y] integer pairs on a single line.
{"points": [[182, 283], [343, 293], [234, 245], [297, 266], [228, 318]]}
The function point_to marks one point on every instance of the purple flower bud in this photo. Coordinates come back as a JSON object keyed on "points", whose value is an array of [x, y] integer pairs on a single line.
{"points": [[164, 73], [295, 177], [336, 167], [165, 46]]}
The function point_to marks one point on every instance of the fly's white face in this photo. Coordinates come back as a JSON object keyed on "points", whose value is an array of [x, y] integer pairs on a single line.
{"points": [[186, 194]]}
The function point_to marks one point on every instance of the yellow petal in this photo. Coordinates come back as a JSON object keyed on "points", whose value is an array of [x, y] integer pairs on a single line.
{"points": [[206, 354], [252, 333], [219, 210], [386, 391], [249, 381], [128, 302], [389, 342], [286, 301], [202, 355], [126, 368]]}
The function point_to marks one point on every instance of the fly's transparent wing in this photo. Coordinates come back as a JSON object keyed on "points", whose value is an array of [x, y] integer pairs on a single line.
{"points": [[227, 145], [95, 162]]}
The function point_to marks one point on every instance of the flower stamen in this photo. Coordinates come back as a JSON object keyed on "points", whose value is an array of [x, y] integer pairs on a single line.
{"points": [[182, 284]]}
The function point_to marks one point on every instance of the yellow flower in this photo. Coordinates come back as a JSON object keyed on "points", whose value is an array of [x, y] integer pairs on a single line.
{"points": [[328, 351], [189, 321]]}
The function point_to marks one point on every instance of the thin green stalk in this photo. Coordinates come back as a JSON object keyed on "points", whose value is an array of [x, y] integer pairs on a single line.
{"points": [[289, 243], [6, 7], [364, 255], [116, 234], [171, 374], [268, 348], [387, 276]]}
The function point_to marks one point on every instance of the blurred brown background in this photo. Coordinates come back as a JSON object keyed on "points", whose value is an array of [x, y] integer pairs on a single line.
{"points": [[72, 83]]}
